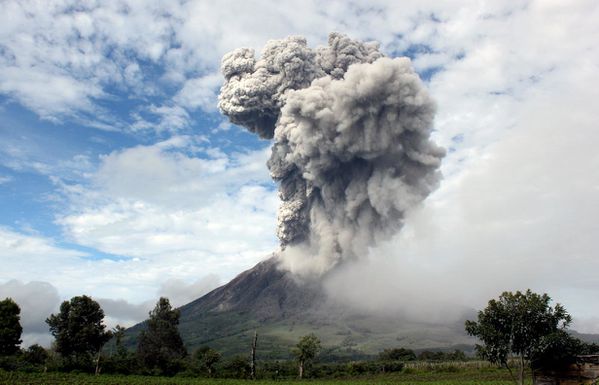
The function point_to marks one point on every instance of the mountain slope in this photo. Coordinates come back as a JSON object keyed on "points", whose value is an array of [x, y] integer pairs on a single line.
{"points": [[282, 309]]}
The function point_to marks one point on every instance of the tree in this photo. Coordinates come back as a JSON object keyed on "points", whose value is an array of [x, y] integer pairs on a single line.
{"points": [[160, 348], [118, 332], [237, 367], [397, 354], [560, 349], [305, 351], [517, 327], [121, 360], [10, 327], [207, 358], [79, 330], [35, 355]]}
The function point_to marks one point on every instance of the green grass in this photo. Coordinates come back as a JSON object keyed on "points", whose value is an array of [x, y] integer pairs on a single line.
{"points": [[467, 376]]}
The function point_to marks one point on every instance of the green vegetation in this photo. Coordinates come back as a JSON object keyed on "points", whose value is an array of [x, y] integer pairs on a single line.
{"points": [[229, 332], [397, 354], [79, 331], [10, 327], [518, 329], [205, 359], [522, 329], [160, 349], [306, 351], [471, 373]]}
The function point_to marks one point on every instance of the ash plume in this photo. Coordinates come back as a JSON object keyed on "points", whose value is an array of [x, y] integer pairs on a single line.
{"points": [[352, 149]]}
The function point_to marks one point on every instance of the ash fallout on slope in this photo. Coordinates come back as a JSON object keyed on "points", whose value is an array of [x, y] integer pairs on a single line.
{"points": [[352, 149]]}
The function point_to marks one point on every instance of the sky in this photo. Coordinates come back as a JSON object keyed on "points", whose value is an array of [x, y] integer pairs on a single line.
{"points": [[120, 179]]}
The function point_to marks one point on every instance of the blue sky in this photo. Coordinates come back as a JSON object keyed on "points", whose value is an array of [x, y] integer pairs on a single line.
{"points": [[119, 178]]}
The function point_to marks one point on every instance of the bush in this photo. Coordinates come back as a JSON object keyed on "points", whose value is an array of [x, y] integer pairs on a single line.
{"points": [[397, 354], [236, 367], [35, 355]]}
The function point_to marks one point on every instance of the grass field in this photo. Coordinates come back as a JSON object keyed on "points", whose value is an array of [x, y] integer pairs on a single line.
{"points": [[483, 376]]}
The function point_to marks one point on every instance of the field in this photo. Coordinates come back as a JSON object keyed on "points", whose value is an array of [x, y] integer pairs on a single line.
{"points": [[419, 376]]}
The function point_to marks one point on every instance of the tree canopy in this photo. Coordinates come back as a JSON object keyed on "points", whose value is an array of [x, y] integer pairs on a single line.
{"points": [[207, 358], [306, 350], [517, 325], [78, 328], [10, 327], [397, 354], [160, 346]]}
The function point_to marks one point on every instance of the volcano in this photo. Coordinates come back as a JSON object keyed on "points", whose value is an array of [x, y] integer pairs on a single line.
{"points": [[281, 309]]}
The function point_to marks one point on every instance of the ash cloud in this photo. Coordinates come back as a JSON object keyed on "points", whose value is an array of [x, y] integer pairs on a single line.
{"points": [[352, 150]]}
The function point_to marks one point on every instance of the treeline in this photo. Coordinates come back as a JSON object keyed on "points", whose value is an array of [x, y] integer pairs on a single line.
{"points": [[517, 331], [83, 344], [80, 338]]}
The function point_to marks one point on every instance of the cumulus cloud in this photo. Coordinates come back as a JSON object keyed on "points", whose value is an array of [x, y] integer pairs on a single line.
{"points": [[180, 292], [37, 301], [178, 209], [41, 255], [200, 93], [62, 63], [122, 312]]}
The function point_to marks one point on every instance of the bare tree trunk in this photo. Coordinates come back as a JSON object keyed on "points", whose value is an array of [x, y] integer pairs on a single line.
{"points": [[98, 363], [253, 362], [521, 376], [507, 365], [301, 369]]}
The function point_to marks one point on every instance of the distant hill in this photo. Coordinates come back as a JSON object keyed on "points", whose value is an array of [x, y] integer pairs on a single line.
{"points": [[281, 309], [589, 338]]}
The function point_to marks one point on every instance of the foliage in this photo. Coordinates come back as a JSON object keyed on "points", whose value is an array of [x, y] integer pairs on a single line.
{"points": [[118, 332], [472, 376], [121, 361], [517, 324], [306, 350], [560, 349], [160, 348], [10, 327], [35, 355], [397, 354], [207, 358], [456, 355], [79, 330], [236, 367]]}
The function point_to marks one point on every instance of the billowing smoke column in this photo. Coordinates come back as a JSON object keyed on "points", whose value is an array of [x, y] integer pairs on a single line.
{"points": [[352, 149]]}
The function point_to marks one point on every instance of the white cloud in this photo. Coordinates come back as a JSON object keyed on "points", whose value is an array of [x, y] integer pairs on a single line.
{"points": [[122, 312], [169, 118], [37, 301], [200, 92], [39, 255], [172, 215], [180, 292], [59, 57], [61, 62]]}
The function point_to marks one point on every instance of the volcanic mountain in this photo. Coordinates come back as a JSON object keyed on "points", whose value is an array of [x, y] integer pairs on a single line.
{"points": [[280, 308]]}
